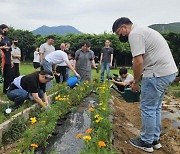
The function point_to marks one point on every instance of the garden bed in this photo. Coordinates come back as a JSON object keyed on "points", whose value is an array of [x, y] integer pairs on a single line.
{"points": [[127, 124]]}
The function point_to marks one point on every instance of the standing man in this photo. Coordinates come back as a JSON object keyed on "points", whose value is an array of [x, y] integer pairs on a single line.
{"points": [[152, 58], [5, 46], [16, 56], [46, 48], [106, 59]]}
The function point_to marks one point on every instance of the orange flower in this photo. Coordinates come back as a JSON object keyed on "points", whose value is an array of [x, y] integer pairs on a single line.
{"points": [[88, 131], [101, 144], [78, 135], [91, 109], [34, 145]]}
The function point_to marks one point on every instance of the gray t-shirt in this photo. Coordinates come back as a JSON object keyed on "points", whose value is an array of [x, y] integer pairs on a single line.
{"points": [[16, 51], [128, 79], [106, 54], [83, 60], [157, 57], [46, 49]]}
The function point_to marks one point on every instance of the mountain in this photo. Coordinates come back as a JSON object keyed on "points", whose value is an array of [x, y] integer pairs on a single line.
{"points": [[171, 27], [59, 30]]}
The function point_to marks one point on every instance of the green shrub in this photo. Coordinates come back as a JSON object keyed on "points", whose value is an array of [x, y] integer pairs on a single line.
{"points": [[14, 131]]}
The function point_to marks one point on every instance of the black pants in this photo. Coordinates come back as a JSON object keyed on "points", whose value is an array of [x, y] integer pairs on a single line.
{"points": [[7, 77], [120, 87], [62, 71], [16, 72]]}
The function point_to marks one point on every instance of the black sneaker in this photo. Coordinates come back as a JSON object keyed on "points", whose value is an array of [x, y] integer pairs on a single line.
{"points": [[156, 145], [138, 143]]}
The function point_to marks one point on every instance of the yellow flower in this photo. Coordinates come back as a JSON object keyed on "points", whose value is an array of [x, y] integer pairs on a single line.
{"points": [[44, 103], [91, 109], [96, 116], [87, 138], [81, 89], [88, 131], [103, 108], [78, 135], [98, 119], [100, 104], [34, 145], [101, 144], [33, 120]]}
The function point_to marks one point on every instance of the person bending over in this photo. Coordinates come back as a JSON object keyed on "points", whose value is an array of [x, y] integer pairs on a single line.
{"points": [[30, 86]]}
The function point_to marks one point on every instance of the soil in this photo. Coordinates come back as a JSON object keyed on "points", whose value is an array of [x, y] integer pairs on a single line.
{"points": [[127, 124]]}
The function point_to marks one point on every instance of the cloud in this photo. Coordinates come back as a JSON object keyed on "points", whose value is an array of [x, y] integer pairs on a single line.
{"points": [[88, 16]]}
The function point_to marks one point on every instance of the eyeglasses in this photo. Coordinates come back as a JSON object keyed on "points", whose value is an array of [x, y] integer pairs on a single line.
{"points": [[47, 76]]}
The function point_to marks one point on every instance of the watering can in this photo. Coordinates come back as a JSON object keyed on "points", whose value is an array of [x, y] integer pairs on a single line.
{"points": [[8, 109], [72, 81]]}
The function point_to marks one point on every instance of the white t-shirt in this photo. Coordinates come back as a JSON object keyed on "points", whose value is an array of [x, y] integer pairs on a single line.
{"points": [[36, 57], [157, 57], [46, 49], [16, 51], [57, 57], [128, 79]]}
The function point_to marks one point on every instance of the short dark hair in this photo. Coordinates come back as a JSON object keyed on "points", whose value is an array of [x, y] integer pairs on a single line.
{"points": [[2, 26], [51, 37], [119, 22], [14, 39], [86, 42], [71, 53], [48, 74], [123, 71]]}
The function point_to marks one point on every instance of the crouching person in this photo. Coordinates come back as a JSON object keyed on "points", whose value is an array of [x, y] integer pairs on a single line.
{"points": [[125, 79], [30, 86]]}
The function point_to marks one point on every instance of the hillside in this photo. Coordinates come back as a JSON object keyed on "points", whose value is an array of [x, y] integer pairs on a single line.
{"points": [[163, 28], [59, 30]]}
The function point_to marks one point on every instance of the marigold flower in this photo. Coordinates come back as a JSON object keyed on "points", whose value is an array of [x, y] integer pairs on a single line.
{"points": [[33, 120], [78, 135], [91, 109], [88, 131], [96, 116], [34, 145], [101, 144], [87, 138]]}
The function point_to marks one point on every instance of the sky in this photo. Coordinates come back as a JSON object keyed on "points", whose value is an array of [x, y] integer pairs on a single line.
{"points": [[88, 16]]}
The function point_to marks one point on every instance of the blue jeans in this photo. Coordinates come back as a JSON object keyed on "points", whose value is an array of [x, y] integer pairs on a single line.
{"points": [[152, 93], [105, 66], [47, 66], [18, 96]]}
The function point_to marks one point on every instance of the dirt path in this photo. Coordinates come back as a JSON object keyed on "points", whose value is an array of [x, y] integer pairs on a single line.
{"points": [[127, 124]]}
